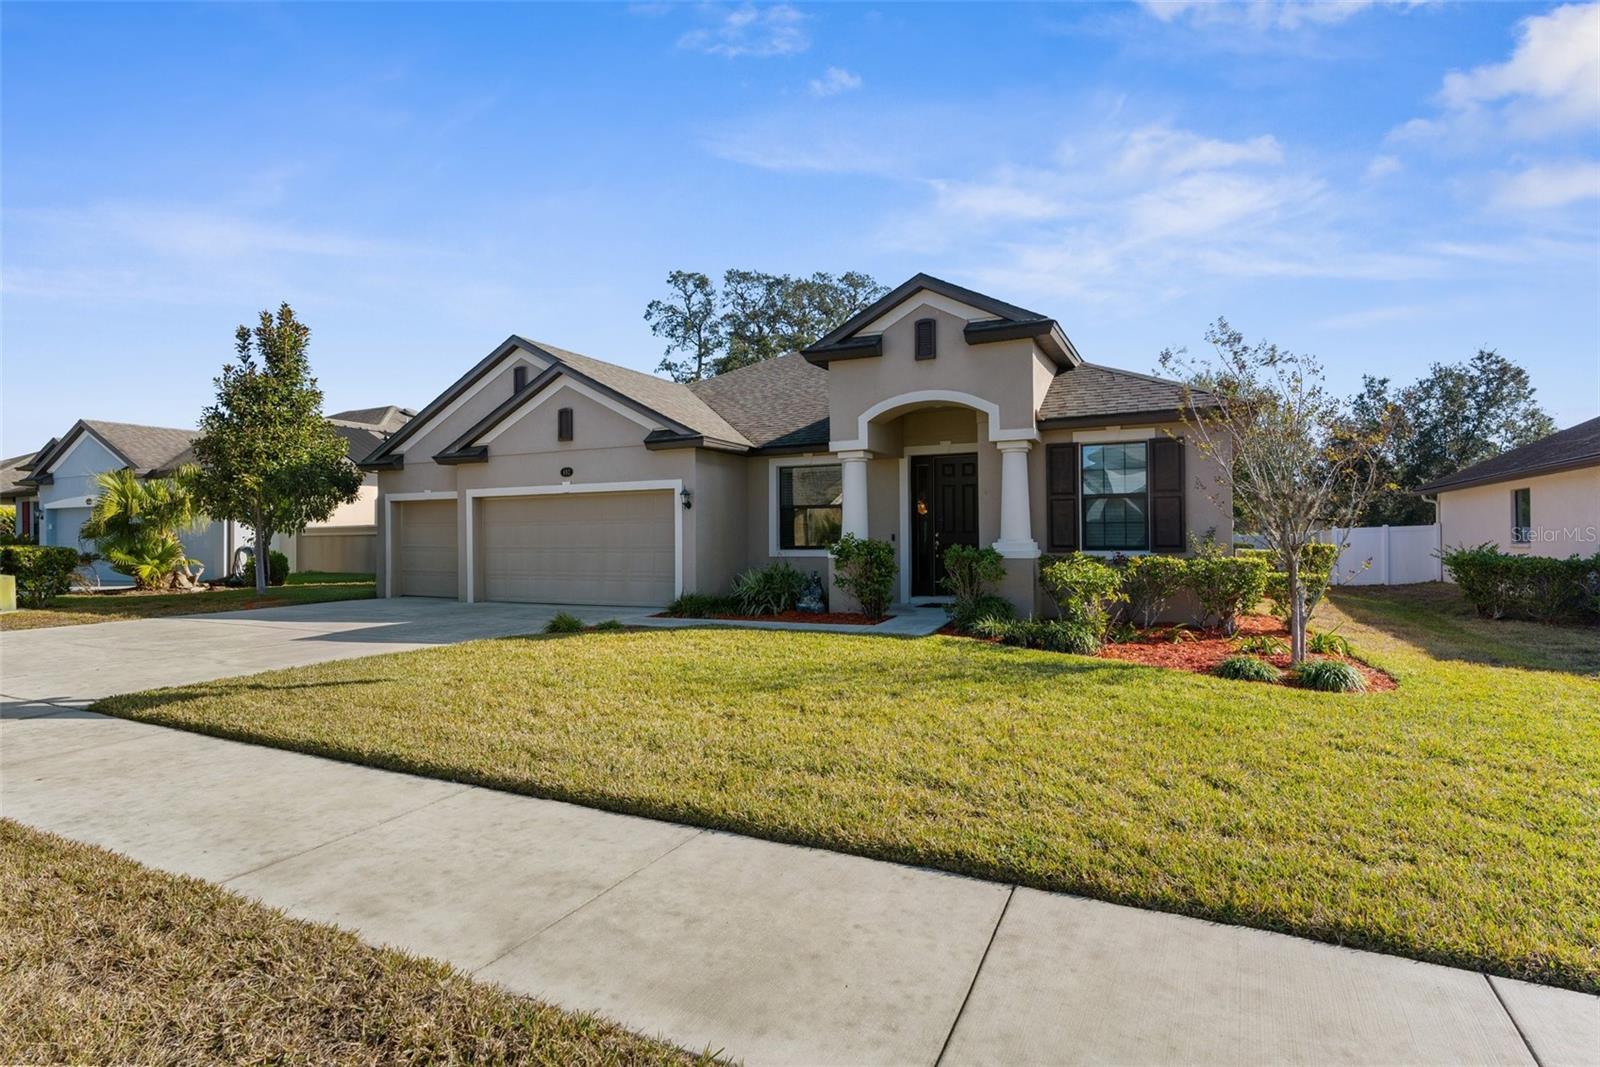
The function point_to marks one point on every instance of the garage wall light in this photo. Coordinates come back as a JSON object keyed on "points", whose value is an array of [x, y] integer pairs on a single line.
{"points": [[687, 497]]}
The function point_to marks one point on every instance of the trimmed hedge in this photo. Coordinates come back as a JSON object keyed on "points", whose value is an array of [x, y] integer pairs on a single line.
{"points": [[42, 571], [277, 569], [1316, 573], [866, 569], [1225, 586], [1500, 585], [1083, 589]]}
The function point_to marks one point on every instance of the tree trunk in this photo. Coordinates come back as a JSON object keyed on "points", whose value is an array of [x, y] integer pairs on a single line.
{"points": [[263, 555], [1297, 611]]}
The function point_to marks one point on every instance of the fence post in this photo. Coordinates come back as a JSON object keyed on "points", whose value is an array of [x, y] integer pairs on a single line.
{"points": [[1384, 544]]}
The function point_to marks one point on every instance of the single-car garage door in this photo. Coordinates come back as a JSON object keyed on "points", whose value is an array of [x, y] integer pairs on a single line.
{"points": [[425, 548], [578, 548]]}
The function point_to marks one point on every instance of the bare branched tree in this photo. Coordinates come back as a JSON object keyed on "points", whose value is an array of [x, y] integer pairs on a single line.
{"points": [[1282, 446]]}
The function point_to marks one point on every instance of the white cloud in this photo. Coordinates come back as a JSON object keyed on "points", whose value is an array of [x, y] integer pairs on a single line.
{"points": [[748, 30], [835, 80], [1160, 148], [1382, 166], [1549, 85], [1267, 14], [1550, 185]]}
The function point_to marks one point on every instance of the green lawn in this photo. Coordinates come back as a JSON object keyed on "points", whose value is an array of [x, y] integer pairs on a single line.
{"points": [[76, 609], [103, 960], [1456, 819]]}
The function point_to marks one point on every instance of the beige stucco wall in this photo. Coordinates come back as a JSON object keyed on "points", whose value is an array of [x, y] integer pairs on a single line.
{"points": [[1005, 373], [1564, 509]]}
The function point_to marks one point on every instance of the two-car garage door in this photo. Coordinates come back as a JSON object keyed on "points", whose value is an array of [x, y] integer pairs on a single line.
{"points": [[578, 548]]}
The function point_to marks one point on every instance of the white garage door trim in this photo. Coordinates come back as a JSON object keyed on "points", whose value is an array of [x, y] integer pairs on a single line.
{"points": [[389, 501], [674, 485]]}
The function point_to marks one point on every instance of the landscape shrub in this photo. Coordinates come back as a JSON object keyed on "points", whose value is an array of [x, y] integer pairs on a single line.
{"points": [[1051, 635], [865, 569], [965, 614], [1225, 587], [1261, 645], [1328, 644], [564, 623], [1501, 585], [1316, 574], [701, 606], [41, 571], [1329, 676], [770, 590], [1149, 583], [970, 572], [8, 524], [1246, 669], [1083, 590], [277, 568], [607, 626]]}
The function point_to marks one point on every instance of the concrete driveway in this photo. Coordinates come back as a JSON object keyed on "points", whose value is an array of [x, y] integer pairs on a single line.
{"points": [[73, 665]]}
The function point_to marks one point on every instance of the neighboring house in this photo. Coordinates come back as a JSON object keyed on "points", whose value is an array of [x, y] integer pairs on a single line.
{"points": [[14, 494], [1542, 499], [62, 476], [346, 542], [937, 416]]}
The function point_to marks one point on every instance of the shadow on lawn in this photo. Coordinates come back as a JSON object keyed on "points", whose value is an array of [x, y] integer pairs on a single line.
{"points": [[1436, 619]]}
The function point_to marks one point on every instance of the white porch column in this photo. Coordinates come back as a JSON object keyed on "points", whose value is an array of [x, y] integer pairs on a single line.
{"points": [[854, 504], [1016, 518]]}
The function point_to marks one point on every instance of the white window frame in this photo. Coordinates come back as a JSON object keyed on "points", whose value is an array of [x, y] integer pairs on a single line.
{"points": [[773, 466], [389, 500], [673, 485]]}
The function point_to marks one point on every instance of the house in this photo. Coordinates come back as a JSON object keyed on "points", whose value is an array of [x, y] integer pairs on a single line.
{"points": [[1542, 499], [937, 416], [13, 494], [61, 479]]}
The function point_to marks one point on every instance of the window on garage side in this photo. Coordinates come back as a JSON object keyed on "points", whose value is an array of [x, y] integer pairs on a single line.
{"points": [[1115, 497], [1522, 516], [809, 510]]}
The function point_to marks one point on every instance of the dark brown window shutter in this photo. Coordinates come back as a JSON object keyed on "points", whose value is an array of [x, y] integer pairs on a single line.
{"points": [[925, 339], [564, 424], [1061, 476], [1166, 495], [519, 378]]}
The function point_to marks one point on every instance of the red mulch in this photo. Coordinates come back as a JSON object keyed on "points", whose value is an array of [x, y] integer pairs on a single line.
{"points": [[1202, 650], [835, 618]]}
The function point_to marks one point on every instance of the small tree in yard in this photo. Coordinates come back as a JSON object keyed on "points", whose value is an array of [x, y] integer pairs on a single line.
{"points": [[1282, 448], [267, 457]]}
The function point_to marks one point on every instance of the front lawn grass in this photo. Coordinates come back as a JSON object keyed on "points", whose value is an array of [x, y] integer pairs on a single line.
{"points": [[1456, 819], [103, 960], [77, 609]]}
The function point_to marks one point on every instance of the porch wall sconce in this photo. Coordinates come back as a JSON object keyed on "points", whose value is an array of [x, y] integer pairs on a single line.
{"points": [[687, 497]]}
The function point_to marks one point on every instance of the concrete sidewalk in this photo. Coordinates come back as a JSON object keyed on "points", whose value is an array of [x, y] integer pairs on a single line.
{"points": [[772, 953]]}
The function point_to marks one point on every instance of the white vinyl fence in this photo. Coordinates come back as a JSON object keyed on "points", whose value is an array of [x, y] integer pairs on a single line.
{"points": [[1384, 555]]}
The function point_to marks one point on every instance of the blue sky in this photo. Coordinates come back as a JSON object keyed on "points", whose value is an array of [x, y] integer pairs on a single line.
{"points": [[1383, 184]]}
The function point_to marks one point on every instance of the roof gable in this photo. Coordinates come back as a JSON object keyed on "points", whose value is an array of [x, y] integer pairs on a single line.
{"points": [[144, 449], [996, 320]]}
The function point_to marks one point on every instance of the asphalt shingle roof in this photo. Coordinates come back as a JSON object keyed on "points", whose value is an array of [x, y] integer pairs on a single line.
{"points": [[672, 399], [1576, 446], [146, 448], [11, 472], [386, 417], [777, 403], [1090, 390]]}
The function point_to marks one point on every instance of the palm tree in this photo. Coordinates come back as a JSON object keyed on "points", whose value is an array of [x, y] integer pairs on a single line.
{"points": [[135, 525]]}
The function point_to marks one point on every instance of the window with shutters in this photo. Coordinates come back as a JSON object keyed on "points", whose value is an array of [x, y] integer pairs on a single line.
{"points": [[564, 424], [810, 505], [1116, 498], [926, 339]]}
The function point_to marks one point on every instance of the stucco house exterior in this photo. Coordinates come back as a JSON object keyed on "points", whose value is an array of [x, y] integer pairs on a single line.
{"points": [[1542, 499], [59, 486], [936, 416]]}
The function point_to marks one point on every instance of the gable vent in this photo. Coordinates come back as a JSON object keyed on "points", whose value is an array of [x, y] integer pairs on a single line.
{"points": [[519, 377], [925, 339], [564, 424]]}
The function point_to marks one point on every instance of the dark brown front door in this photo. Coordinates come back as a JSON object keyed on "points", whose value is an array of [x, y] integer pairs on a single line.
{"points": [[944, 512]]}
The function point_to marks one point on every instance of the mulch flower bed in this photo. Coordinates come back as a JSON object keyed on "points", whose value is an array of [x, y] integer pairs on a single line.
{"points": [[1201, 650], [833, 618]]}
